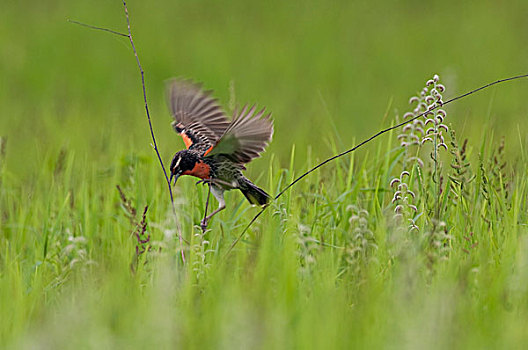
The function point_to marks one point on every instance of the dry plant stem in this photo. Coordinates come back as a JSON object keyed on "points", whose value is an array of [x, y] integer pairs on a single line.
{"points": [[381, 132], [436, 178], [150, 126], [98, 28], [154, 143]]}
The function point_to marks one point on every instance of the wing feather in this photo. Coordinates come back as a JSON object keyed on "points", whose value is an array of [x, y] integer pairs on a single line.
{"points": [[197, 115], [246, 137]]}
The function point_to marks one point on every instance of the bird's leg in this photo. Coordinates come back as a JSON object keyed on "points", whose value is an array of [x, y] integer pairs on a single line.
{"points": [[203, 223], [219, 195]]}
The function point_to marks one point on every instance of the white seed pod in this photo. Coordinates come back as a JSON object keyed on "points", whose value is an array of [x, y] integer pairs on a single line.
{"points": [[414, 138], [394, 181], [364, 213], [419, 122], [413, 207], [439, 118], [413, 99], [401, 136], [402, 186], [442, 145], [440, 87], [430, 121], [443, 126], [363, 222], [419, 130], [351, 207], [425, 139], [398, 209], [408, 115], [395, 198], [411, 193], [403, 173], [404, 144], [430, 82], [407, 127], [430, 131], [436, 78], [441, 112]]}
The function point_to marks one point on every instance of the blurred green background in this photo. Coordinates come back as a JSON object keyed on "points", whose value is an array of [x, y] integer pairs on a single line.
{"points": [[332, 73], [322, 67]]}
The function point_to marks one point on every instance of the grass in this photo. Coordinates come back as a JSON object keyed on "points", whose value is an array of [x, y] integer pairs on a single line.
{"points": [[312, 272], [332, 263]]}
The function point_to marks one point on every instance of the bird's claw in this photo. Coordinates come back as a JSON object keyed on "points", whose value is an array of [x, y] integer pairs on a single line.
{"points": [[203, 225], [203, 181]]}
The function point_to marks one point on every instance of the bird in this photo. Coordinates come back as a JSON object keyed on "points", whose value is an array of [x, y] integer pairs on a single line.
{"points": [[217, 148]]}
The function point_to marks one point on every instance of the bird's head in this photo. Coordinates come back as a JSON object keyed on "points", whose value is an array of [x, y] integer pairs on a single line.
{"points": [[182, 162]]}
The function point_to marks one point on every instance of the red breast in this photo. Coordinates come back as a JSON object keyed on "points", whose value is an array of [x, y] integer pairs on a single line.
{"points": [[200, 170]]}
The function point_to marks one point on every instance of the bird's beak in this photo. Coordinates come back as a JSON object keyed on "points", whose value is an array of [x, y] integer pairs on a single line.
{"points": [[175, 176]]}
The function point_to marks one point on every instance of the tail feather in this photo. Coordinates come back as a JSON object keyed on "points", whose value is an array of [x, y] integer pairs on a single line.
{"points": [[254, 194]]}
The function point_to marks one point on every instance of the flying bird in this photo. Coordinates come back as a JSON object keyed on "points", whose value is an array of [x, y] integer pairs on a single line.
{"points": [[217, 148]]}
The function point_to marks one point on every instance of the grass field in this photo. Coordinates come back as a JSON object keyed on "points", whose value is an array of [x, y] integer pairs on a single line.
{"points": [[347, 258]]}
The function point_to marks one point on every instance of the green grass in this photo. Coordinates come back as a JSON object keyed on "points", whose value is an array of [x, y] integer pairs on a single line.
{"points": [[326, 265]]}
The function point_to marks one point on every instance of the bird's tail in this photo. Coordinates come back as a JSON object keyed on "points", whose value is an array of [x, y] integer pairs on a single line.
{"points": [[254, 194]]}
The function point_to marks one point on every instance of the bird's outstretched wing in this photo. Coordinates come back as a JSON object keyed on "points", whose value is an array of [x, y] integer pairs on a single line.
{"points": [[198, 117], [246, 137]]}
